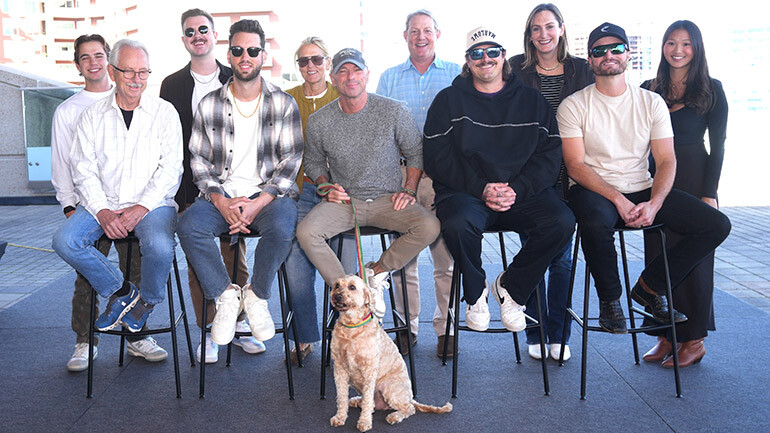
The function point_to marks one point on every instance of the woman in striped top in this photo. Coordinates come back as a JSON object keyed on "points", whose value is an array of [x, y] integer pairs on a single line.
{"points": [[547, 66]]}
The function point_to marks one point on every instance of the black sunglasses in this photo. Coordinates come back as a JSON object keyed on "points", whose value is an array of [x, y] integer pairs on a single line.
{"points": [[238, 51], [478, 53], [601, 50], [190, 32], [317, 60]]}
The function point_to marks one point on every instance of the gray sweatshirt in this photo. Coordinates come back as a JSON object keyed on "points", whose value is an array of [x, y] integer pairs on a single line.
{"points": [[362, 151]]}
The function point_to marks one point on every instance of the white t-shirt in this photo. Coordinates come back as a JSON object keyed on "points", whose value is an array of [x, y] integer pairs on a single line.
{"points": [[244, 179], [616, 132], [65, 121], [204, 84]]}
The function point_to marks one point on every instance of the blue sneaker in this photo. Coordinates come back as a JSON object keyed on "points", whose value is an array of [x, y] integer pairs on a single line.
{"points": [[136, 318], [117, 307]]}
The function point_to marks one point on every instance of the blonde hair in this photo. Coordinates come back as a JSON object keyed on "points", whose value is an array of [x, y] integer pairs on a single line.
{"points": [[312, 40]]}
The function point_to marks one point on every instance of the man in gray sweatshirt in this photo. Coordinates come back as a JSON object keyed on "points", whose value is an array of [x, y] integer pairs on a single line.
{"points": [[356, 144]]}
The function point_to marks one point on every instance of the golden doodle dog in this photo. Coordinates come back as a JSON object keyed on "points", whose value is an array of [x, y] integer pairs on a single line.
{"points": [[365, 357]]}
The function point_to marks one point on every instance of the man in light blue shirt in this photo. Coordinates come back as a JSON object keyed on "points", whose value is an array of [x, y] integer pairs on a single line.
{"points": [[417, 81]]}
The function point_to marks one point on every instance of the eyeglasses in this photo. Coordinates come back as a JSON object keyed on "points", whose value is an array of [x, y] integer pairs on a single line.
{"points": [[317, 60], [130, 73], [238, 51], [478, 53], [601, 50], [190, 32]]}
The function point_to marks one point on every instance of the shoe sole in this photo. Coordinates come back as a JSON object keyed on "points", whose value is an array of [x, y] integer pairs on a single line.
{"points": [[138, 354], [120, 317], [613, 331], [237, 342]]}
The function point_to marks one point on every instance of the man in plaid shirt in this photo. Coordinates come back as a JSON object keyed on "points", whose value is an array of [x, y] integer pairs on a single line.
{"points": [[246, 149]]}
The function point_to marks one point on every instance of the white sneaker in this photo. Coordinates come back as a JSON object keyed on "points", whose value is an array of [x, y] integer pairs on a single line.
{"points": [[248, 344], [147, 348], [534, 351], [477, 315], [228, 308], [262, 326], [79, 359], [511, 313], [212, 351], [378, 283], [556, 349]]}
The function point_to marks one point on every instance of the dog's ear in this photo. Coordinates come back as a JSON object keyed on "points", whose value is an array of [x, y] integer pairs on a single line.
{"points": [[367, 295]]}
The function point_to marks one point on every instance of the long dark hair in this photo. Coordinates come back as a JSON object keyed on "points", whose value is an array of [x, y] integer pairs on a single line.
{"points": [[530, 53], [698, 93]]}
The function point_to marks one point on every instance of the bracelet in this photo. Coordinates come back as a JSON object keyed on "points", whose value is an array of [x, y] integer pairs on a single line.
{"points": [[410, 192]]}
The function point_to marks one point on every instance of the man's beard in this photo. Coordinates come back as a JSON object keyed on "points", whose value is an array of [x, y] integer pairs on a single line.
{"points": [[251, 76], [599, 72]]}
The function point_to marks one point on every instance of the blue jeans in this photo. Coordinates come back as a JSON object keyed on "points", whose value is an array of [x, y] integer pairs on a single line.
{"points": [[200, 226], [301, 272], [74, 242], [553, 301]]}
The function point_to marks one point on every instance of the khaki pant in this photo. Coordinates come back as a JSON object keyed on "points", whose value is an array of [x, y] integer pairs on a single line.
{"points": [[443, 265], [418, 228]]}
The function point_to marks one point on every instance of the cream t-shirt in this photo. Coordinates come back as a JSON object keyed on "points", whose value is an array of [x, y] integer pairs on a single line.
{"points": [[616, 132]]}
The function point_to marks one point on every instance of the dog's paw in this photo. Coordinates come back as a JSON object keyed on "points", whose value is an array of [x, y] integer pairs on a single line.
{"points": [[364, 425], [355, 401], [338, 420], [394, 417]]}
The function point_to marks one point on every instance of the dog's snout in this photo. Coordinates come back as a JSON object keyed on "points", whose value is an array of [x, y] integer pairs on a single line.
{"points": [[338, 298]]}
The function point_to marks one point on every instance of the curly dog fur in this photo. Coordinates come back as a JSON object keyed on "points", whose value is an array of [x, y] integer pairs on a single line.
{"points": [[366, 358]]}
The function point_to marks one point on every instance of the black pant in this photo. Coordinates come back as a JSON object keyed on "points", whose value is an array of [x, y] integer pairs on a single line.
{"points": [[543, 218], [702, 229]]}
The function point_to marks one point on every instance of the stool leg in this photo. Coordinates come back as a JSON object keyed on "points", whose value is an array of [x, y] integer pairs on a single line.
{"points": [[126, 278], [457, 333], [286, 317], [584, 354], [504, 257], [291, 318], [327, 326], [204, 330], [236, 257], [542, 343], [672, 323], [172, 326], [184, 312], [89, 393], [408, 325], [568, 314], [451, 312], [627, 280]]}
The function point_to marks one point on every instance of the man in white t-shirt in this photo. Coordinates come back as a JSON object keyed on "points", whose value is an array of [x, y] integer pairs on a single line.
{"points": [[91, 52], [184, 89], [608, 132]]}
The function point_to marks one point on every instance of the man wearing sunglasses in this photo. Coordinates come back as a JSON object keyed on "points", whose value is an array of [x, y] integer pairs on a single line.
{"points": [[184, 89], [126, 163], [416, 82], [246, 149], [492, 149], [608, 132]]}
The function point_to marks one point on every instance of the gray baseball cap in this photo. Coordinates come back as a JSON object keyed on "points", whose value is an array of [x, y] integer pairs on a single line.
{"points": [[347, 55]]}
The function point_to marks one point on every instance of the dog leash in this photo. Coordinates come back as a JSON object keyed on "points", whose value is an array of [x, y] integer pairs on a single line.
{"points": [[323, 190]]}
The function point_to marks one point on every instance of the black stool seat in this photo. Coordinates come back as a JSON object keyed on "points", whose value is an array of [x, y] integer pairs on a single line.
{"points": [[453, 319], [287, 317], [400, 323], [588, 323], [124, 332]]}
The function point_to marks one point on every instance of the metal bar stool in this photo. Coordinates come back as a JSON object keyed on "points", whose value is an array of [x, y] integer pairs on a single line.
{"points": [[287, 317], [585, 321], [171, 328], [453, 319], [399, 322]]}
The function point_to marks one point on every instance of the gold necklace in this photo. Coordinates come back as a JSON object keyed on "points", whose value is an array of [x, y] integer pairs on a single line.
{"points": [[235, 102], [549, 69]]}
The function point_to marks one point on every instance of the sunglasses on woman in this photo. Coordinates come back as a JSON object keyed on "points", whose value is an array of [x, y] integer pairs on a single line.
{"points": [[238, 51], [601, 50], [317, 60], [478, 53], [190, 32]]}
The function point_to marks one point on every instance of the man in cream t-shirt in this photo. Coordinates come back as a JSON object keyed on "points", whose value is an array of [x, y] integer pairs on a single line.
{"points": [[608, 131]]}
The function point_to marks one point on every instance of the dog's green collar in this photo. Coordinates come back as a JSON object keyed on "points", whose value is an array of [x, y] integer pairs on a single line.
{"points": [[364, 322]]}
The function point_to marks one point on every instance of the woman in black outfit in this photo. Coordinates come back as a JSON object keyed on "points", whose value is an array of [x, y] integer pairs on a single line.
{"points": [[697, 102], [547, 66]]}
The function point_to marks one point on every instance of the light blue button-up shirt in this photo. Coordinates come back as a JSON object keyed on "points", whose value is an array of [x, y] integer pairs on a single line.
{"points": [[405, 83]]}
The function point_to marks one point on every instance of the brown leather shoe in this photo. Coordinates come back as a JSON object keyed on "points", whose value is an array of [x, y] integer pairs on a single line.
{"points": [[404, 347], [690, 353], [660, 351], [440, 346], [304, 352]]}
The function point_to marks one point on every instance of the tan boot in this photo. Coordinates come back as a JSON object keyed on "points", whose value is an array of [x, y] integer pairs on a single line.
{"points": [[690, 353], [660, 351]]}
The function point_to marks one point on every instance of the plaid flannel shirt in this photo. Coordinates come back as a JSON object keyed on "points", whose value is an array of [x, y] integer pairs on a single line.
{"points": [[279, 155]]}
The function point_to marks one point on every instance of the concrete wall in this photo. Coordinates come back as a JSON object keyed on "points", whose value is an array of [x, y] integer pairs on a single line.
{"points": [[13, 154]]}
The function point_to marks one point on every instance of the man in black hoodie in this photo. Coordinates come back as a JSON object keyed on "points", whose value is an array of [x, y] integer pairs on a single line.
{"points": [[493, 150]]}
